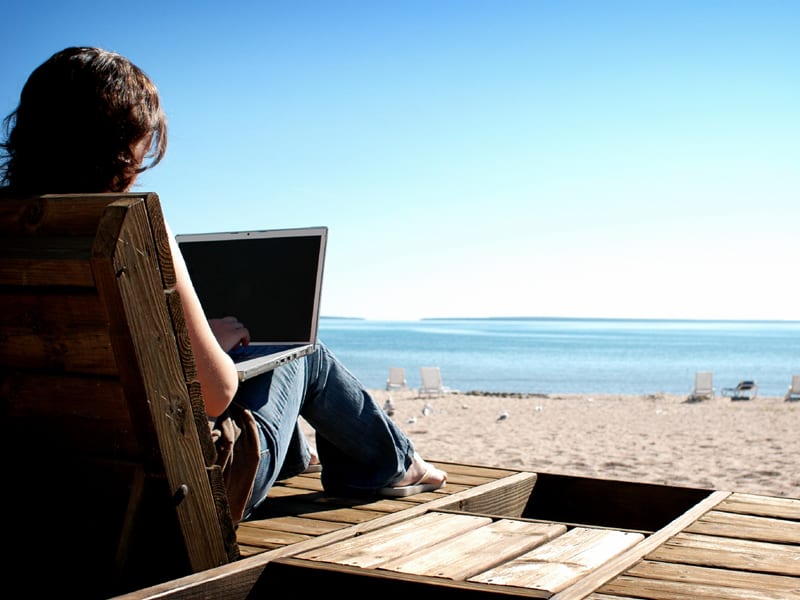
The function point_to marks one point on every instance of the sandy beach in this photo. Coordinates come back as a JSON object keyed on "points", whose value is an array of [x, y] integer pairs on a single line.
{"points": [[745, 446]]}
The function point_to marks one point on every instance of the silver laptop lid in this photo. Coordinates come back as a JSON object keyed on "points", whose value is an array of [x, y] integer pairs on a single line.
{"points": [[271, 280]]}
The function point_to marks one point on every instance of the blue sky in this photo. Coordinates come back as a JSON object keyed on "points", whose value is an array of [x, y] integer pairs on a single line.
{"points": [[478, 158]]}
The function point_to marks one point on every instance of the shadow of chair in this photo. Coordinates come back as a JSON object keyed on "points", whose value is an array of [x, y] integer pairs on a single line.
{"points": [[794, 390], [397, 379], [703, 386]]}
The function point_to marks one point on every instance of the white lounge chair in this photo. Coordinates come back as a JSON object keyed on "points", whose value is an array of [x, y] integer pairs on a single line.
{"points": [[431, 382], [397, 379], [703, 386], [794, 389]]}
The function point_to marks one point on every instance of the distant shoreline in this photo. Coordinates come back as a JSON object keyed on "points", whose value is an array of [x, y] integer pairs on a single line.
{"points": [[574, 319]]}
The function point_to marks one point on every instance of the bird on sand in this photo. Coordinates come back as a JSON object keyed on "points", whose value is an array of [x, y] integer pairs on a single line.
{"points": [[427, 409], [411, 420], [502, 416], [388, 406]]}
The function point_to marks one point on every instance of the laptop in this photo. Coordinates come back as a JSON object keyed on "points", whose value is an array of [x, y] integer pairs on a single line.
{"points": [[270, 280]]}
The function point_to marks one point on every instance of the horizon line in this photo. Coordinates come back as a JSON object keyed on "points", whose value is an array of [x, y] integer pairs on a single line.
{"points": [[551, 318]]}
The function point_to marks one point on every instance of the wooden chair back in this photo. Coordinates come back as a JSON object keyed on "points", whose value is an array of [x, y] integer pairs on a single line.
{"points": [[109, 478]]}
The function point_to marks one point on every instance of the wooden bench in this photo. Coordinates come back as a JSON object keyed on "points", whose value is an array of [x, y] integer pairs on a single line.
{"points": [[110, 482]]}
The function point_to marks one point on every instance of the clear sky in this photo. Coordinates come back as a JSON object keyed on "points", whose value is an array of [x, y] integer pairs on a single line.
{"points": [[475, 157]]}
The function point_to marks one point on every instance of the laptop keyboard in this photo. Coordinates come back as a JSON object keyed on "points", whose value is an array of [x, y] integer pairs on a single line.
{"points": [[254, 351]]}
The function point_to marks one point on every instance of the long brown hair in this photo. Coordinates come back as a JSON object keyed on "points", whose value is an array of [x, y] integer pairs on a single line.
{"points": [[80, 114]]}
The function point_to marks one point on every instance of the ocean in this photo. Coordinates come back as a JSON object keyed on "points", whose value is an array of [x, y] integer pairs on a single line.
{"points": [[555, 355]]}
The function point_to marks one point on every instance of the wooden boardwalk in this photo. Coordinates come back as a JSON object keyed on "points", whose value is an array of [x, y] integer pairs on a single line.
{"points": [[507, 533]]}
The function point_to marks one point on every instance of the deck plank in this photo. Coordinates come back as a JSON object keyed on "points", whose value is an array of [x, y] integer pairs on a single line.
{"points": [[656, 589], [564, 560], [734, 525], [729, 553], [702, 576], [766, 506], [292, 524], [477, 550], [266, 539], [395, 541]]}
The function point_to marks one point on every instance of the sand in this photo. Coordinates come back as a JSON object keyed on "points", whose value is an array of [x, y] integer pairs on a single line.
{"points": [[748, 446]]}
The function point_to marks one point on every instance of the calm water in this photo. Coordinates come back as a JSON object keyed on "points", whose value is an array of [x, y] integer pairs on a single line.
{"points": [[570, 355]]}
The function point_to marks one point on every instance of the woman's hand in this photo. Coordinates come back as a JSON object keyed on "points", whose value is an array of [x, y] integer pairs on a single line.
{"points": [[230, 332]]}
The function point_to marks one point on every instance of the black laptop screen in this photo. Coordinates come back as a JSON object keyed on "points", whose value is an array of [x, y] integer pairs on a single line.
{"points": [[267, 283]]}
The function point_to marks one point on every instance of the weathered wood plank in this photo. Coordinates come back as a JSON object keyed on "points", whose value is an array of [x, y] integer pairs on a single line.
{"points": [[63, 330], [729, 553], [294, 491], [344, 514], [263, 538], [129, 283], [53, 215], [481, 471], [307, 526], [51, 310], [560, 562], [706, 576], [20, 271], [656, 589], [395, 541], [765, 529], [767, 506], [47, 240], [508, 501], [166, 270], [477, 550]]}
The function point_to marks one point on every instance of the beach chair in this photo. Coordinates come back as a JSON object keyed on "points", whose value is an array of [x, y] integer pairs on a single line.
{"points": [[794, 390], [111, 480], [703, 386], [397, 379], [744, 390], [431, 382]]}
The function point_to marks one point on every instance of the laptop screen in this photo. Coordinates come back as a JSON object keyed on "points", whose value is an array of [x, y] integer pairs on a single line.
{"points": [[269, 280]]}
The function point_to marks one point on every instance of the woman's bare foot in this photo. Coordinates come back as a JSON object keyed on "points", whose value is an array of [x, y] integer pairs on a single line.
{"points": [[421, 472], [314, 466]]}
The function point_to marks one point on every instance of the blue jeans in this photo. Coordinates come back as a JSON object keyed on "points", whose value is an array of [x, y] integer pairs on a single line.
{"points": [[360, 447]]}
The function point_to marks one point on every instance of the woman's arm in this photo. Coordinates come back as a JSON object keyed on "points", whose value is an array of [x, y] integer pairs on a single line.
{"points": [[215, 369]]}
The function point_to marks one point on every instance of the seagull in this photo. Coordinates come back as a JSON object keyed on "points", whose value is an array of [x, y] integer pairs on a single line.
{"points": [[411, 420], [388, 406], [427, 409], [502, 416]]}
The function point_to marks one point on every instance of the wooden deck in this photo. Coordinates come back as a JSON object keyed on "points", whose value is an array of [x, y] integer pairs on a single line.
{"points": [[507, 533]]}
